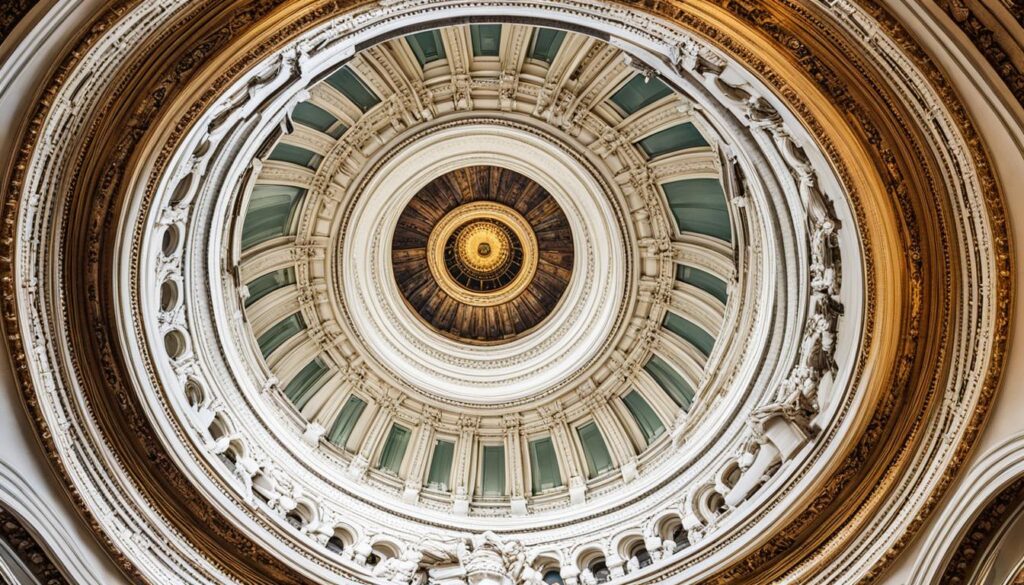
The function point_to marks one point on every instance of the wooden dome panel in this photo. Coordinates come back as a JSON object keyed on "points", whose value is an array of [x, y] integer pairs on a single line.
{"points": [[467, 320]]}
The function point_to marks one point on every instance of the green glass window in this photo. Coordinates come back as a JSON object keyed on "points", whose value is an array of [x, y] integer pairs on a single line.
{"points": [[394, 449], [679, 137], [689, 331], [427, 46], [441, 465], [268, 283], [486, 39], [281, 332], [699, 205], [309, 379], [493, 471], [295, 155], [649, 423], [553, 578], [546, 42], [270, 213], [594, 449], [640, 92], [348, 83], [544, 465], [670, 381], [309, 114], [346, 421], [703, 280]]}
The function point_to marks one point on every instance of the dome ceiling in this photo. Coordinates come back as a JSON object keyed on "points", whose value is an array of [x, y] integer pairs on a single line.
{"points": [[482, 253], [556, 294], [556, 312]]}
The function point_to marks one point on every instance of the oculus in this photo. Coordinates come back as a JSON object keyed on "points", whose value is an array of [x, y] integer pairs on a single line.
{"points": [[482, 254]]}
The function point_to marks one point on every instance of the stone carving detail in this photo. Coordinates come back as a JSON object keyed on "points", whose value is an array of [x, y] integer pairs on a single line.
{"points": [[244, 470], [478, 559], [35, 558], [508, 88]]}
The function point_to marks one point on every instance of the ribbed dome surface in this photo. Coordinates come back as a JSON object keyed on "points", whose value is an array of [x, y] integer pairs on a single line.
{"points": [[483, 254]]}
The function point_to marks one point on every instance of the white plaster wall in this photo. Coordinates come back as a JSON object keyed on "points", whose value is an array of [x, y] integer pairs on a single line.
{"points": [[1000, 119], [27, 485]]}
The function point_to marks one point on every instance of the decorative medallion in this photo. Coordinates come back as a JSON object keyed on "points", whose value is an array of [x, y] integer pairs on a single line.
{"points": [[482, 254]]}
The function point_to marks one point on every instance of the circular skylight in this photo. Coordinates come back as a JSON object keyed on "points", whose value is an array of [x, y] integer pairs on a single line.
{"points": [[482, 254]]}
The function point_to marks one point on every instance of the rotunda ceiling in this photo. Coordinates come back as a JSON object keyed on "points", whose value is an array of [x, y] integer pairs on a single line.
{"points": [[534, 295], [598, 286]]}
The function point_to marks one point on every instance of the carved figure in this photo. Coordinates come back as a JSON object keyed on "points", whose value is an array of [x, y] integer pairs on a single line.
{"points": [[531, 576], [669, 546], [478, 559], [245, 468], [401, 570]]}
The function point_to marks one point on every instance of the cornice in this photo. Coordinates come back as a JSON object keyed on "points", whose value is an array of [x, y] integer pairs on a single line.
{"points": [[31, 553], [974, 26]]}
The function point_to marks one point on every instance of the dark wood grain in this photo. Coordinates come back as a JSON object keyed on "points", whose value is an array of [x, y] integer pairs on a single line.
{"points": [[477, 324]]}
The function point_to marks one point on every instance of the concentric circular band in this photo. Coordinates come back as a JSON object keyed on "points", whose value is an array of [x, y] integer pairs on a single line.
{"points": [[560, 344]]}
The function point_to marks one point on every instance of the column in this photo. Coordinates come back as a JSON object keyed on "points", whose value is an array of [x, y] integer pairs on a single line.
{"points": [[462, 475], [567, 458], [514, 463], [420, 453]]}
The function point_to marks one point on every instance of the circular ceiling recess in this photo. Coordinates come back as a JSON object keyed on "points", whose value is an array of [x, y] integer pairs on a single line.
{"points": [[482, 254], [626, 292]]}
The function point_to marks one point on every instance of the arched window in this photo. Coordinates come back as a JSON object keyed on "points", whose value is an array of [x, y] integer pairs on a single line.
{"points": [[294, 519], [600, 570], [680, 538], [640, 552], [335, 545]]}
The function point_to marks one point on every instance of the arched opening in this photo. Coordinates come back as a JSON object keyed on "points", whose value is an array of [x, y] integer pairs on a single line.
{"points": [[170, 239], [168, 295], [181, 190], [339, 541], [175, 343], [194, 394], [382, 551], [639, 552], [680, 538], [595, 568], [295, 519], [300, 516], [673, 537]]}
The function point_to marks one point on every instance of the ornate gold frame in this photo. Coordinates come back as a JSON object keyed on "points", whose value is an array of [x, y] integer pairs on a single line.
{"points": [[482, 210]]}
